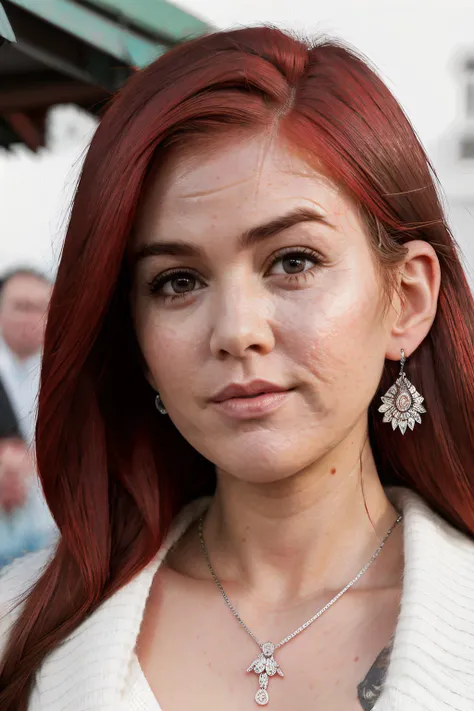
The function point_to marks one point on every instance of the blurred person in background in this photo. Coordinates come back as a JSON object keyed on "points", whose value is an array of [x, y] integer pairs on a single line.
{"points": [[25, 521]]}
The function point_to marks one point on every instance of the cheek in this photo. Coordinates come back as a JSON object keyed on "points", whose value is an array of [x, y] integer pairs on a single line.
{"points": [[168, 347], [338, 334]]}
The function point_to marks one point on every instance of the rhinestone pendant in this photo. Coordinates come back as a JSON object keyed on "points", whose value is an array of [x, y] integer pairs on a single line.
{"points": [[261, 697], [265, 666], [402, 405]]}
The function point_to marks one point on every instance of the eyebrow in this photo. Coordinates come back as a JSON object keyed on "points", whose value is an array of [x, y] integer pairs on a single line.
{"points": [[247, 239]]}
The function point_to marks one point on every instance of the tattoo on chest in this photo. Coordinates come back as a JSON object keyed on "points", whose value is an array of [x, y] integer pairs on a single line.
{"points": [[371, 687]]}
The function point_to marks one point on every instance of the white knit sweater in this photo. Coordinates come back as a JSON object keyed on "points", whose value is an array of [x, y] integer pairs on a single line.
{"points": [[432, 662]]}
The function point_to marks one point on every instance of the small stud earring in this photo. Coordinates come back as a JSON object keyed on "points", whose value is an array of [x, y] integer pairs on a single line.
{"points": [[402, 403], [159, 405]]}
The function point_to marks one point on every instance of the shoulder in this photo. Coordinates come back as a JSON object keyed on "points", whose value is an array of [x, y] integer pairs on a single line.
{"points": [[434, 637], [16, 580], [438, 570], [427, 532]]}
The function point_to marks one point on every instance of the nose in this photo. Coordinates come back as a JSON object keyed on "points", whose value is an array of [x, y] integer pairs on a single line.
{"points": [[242, 322]]}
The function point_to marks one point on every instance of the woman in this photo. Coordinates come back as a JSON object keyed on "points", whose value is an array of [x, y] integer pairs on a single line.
{"points": [[257, 247]]}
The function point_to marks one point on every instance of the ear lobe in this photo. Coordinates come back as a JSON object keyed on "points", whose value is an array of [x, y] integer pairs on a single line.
{"points": [[416, 300], [150, 380]]}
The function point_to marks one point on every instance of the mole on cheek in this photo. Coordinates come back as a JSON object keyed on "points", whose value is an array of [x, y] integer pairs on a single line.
{"points": [[333, 471]]}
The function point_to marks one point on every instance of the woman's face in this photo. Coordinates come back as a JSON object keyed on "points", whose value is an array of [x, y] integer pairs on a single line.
{"points": [[250, 266]]}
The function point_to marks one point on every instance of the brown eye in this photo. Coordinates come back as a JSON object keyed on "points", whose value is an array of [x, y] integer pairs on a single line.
{"points": [[183, 283], [294, 264], [177, 283]]}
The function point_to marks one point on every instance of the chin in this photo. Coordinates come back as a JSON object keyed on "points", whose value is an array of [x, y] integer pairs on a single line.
{"points": [[260, 456], [263, 467]]}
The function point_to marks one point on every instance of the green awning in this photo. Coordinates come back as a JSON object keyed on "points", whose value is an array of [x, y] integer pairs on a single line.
{"points": [[156, 17], [6, 31], [134, 32], [77, 52]]}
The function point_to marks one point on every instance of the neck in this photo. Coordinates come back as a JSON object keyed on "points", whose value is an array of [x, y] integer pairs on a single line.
{"points": [[316, 528]]}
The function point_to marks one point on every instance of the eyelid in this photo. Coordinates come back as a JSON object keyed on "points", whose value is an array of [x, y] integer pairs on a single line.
{"points": [[305, 251], [158, 281]]}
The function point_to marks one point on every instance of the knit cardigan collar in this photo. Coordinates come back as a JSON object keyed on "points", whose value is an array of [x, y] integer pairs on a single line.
{"points": [[432, 661]]}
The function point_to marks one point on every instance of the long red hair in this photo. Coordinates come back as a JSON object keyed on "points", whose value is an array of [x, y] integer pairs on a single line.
{"points": [[113, 473]]}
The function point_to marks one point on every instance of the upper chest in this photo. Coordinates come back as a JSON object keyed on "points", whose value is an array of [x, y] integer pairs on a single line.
{"points": [[189, 634], [431, 666]]}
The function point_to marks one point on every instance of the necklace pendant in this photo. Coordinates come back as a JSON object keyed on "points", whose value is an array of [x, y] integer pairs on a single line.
{"points": [[261, 697], [265, 666]]}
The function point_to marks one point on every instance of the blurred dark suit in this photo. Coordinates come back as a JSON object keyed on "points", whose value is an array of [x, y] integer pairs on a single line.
{"points": [[8, 421]]}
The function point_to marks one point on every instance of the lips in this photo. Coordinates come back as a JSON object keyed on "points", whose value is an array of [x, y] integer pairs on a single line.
{"points": [[247, 390]]}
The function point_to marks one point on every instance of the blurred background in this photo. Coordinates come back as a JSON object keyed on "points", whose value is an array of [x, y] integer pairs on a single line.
{"points": [[60, 60]]}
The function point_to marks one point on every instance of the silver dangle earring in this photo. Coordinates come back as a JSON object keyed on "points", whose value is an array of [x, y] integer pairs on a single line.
{"points": [[402, 403], [159, 405]]}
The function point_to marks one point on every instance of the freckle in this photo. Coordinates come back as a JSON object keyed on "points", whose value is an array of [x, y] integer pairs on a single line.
{"points": [[333, 471], [356, 659]]}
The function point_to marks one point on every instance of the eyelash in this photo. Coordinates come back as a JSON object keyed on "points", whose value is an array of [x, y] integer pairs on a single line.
{"points": [[158, 282]]}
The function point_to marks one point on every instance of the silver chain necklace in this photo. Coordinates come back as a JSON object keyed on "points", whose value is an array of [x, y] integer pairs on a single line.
{"points": [[265, 665]]}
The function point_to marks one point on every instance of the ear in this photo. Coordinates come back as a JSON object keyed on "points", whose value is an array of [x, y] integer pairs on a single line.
{"points": [[415, 301], [150, 380]]}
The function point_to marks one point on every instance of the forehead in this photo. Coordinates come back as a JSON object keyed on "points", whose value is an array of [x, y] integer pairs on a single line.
{"points": [[26, 285], [248, 179]]}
